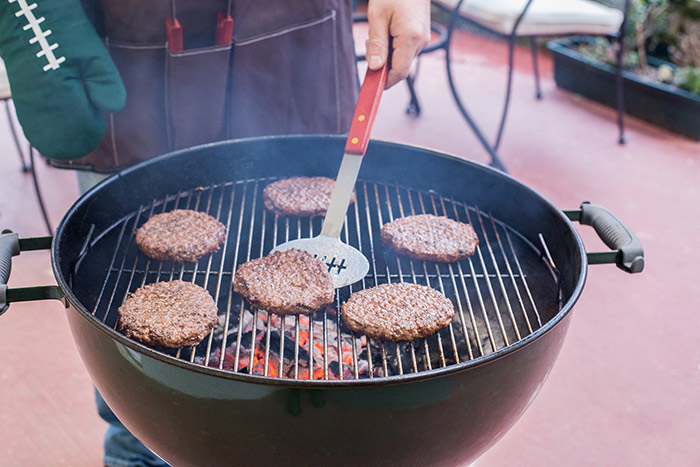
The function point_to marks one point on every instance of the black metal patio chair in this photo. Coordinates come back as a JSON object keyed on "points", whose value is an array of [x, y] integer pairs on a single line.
{"points": [[26, 167], [442, 42], [533, 19]]}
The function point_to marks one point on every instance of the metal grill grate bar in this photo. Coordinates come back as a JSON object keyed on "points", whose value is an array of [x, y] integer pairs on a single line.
{"points": [[208, 273], [224, 249], [240, 317], [512, 279]]}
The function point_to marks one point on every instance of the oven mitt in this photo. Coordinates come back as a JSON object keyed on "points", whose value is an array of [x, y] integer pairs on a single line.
{"points": [[61, 76]]}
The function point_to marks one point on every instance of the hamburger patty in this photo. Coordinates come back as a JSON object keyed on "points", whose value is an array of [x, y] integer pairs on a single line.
{"points": [[285, 282], [170, 314], [397, 312], [180, 235], [300, 196], [429, 237]]}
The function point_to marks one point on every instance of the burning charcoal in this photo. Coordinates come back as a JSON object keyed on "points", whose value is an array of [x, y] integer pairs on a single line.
{"points": [[288, 346]]}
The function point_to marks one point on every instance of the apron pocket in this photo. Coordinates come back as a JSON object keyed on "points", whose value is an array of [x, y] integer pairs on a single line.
{"points": [[196, 82], [286, 81], [143, 116]]}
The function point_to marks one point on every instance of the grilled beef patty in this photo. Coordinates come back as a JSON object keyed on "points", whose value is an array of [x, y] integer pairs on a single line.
{"points": [[429, 237], [170, 314], [397, 312], [300, 196], [285, 282], [180, 235]]}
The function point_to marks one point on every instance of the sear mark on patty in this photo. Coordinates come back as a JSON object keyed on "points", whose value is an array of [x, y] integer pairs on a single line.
{"points": [[285, 282], [430, 237], [171, 314], [397, 312], [180, 235]]}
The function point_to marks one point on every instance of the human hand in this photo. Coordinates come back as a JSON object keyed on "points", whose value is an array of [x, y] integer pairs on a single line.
{"points": [[407, 23], [61, 76]]}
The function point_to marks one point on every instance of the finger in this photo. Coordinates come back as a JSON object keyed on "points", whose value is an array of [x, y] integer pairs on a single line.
{"points": [[407, 46], [377, 45], [401, 60]]}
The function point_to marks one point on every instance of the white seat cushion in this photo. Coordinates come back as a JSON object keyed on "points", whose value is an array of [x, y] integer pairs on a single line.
{"points": [[4, 83], [544, 17]]}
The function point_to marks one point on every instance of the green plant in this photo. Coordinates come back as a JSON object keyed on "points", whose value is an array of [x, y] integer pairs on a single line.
{"points": [[688, 78], [665, 29], [599, 50], [669, 29]]}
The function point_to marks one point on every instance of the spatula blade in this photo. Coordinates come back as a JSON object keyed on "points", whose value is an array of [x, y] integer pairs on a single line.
{"points": [[346, 264]]}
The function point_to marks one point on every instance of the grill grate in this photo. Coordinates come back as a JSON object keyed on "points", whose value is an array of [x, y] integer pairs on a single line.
{"points": [[494, 304]]}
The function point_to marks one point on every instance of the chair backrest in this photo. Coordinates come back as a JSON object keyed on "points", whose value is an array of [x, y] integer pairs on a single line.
{"points": [[543, 17]]}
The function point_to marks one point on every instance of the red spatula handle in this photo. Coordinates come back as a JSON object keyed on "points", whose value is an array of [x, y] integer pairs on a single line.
{"points": [[224, 28], [366, 110], [174, 34]]}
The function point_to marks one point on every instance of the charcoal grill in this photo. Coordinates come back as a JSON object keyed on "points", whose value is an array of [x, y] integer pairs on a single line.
{"points": [[261, 386]]}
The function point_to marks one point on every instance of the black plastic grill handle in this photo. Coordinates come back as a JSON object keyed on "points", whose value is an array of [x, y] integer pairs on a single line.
{"points": [[9, 247], [627, 252]]}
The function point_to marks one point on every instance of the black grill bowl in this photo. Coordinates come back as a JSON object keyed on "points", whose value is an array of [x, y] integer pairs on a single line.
{"points": [[194, 415]]}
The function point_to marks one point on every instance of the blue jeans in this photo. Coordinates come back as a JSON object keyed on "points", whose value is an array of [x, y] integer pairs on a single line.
{"points": [[121, 448]]}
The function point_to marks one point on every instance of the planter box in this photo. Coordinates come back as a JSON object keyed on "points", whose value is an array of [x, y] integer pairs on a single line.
{"points": [[666, 106]]}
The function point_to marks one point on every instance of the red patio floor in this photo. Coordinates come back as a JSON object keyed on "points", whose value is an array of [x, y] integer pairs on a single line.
{"points": [[626, 387]]}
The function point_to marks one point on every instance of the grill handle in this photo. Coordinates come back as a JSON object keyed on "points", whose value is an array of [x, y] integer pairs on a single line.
{"points": [[627, 251], [11, 245]]}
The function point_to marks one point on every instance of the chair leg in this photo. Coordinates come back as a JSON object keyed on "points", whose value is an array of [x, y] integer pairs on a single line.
{"points": [[620, 96], [28, 167], [15, 138], [413, 108], [39, 198], [495, 159], [509, 86], [535, 67], [618, 74]]}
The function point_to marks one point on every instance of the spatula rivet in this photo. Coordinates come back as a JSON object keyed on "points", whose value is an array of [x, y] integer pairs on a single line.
{"points": [[361, 118], [354, 141]]}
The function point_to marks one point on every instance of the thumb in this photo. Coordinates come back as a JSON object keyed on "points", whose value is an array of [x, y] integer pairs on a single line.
{"points": [[377, 45], [103, 83]]}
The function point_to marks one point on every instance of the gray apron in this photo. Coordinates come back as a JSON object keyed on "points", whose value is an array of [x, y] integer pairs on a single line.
{"points": [[289, 68]]}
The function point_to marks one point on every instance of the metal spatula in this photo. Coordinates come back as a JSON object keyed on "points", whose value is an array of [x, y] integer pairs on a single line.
{"points": [[346, 264]]}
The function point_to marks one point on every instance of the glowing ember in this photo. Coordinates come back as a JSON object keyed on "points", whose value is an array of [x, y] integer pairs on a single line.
{"points": [[307, 351]]}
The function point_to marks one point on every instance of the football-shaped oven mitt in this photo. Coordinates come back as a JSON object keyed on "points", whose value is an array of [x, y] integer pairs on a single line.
{"points": [[61, 76]]}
